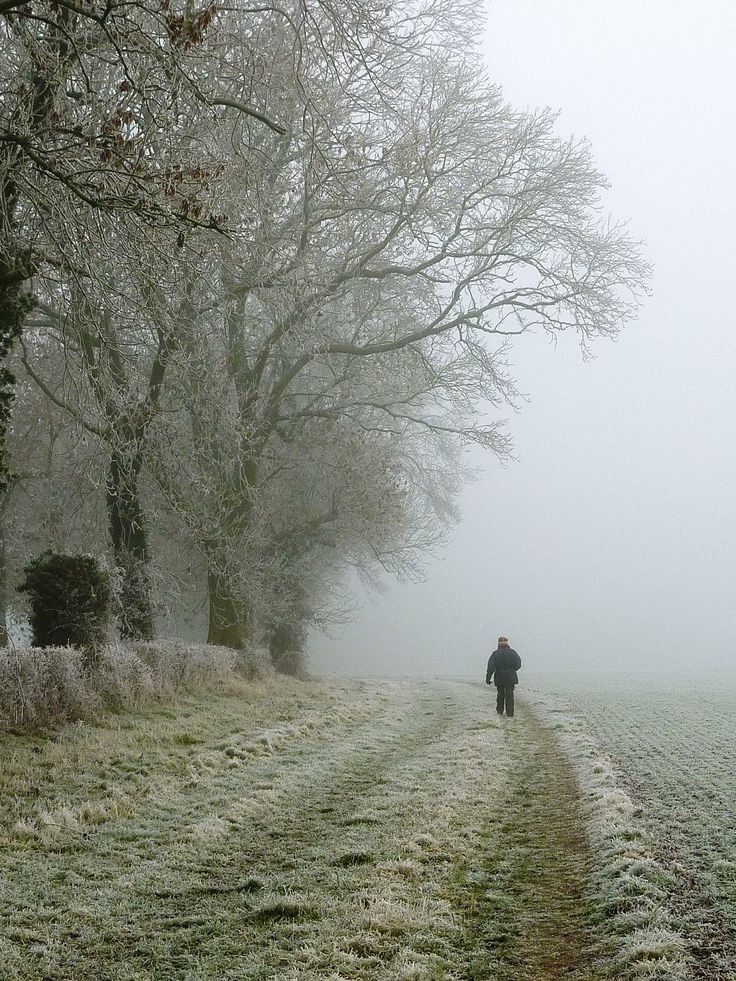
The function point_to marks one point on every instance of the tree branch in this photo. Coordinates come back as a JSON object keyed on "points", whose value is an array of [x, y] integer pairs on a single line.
{"points": [[249, 111], [61, 403]]}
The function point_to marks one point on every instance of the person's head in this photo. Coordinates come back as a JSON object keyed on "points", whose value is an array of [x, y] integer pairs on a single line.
{"points": [[503, 642]]}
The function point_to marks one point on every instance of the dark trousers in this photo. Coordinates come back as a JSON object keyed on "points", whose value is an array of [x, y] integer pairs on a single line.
{"points": [[505, 699]]}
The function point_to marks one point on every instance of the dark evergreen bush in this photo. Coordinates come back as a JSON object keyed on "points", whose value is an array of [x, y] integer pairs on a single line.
{"points": [[71, 598]]}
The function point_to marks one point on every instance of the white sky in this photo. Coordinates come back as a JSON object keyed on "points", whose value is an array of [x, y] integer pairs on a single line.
{"points": [[611, 542]]}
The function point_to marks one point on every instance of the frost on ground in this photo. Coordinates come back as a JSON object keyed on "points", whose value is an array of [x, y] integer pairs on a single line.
{"points": [[661, 786], [675, 745], [337, 831], [640, 938]]}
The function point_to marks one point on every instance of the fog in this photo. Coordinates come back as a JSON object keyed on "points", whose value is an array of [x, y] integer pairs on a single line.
{"points": [[609, 543]]}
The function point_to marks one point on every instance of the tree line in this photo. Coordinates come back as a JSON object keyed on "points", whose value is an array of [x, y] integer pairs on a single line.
{"points": [[259, 270]]}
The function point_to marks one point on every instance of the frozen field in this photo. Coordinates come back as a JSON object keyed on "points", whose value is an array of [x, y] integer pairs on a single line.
{"points": [[373, 831], [340, 831], [676, 750]]}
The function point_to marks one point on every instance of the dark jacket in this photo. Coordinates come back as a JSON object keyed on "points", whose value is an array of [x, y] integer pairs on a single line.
{"points": [[504, 663]]}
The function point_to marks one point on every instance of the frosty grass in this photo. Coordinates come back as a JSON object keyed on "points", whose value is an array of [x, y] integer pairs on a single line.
{"points": [[356, 830]]}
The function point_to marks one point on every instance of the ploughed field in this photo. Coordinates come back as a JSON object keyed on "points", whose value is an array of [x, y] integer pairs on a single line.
{"points": [[356, 830], [674, 746]]}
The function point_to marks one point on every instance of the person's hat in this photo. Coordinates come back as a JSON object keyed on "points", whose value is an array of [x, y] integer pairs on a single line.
{"points": [[503, 640]]}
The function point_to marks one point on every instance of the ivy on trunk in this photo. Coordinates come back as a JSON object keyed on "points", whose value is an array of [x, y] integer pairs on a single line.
{"points": [[128, 533]]}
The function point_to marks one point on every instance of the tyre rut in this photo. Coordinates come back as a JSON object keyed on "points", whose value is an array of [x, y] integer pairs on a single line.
{"points": [[532, 916]]}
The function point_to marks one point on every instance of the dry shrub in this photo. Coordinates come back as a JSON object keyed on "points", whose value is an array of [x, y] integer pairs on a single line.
{"points": [[122, 679], [45, 686], [179, 667], [253, 664]]}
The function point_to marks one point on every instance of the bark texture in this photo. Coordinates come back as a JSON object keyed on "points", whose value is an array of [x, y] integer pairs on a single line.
{"points": [[128, 536]]}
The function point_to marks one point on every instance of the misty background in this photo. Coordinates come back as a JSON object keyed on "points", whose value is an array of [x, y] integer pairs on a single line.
{"points": [[609, 543]]}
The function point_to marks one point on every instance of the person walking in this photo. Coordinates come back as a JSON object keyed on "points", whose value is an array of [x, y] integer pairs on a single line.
{"points": [[503, 664]]}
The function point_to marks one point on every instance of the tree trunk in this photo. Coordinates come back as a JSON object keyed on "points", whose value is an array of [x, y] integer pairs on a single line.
{"points": [[129, 540], [14, 305], [3, 581], [228, 625]]}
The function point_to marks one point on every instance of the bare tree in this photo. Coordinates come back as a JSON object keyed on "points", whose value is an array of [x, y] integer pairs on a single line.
{"points": [[110, 384], [343, 497], [396, 250], [52, 501], [102, 140], [338, 228]]}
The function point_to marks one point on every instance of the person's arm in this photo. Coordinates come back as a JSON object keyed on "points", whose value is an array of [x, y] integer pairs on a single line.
{"points": [[518, 663], [491, 668]]}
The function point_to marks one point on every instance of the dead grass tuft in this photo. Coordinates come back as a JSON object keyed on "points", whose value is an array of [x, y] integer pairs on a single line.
{"points": [[354, 858], [282, 909]]}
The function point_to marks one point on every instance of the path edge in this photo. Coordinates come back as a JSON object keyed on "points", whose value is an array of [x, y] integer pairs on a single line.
{"points": [[638, 932]]}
